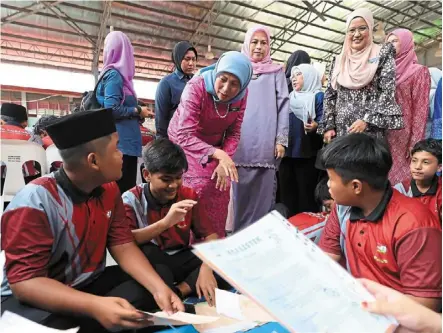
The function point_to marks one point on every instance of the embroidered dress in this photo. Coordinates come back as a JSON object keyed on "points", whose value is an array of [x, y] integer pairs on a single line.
{"points": [[266, 124], [374, 103]]}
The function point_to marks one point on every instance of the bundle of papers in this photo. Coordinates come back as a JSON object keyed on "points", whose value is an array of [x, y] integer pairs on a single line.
{"points": [[292, 279]]}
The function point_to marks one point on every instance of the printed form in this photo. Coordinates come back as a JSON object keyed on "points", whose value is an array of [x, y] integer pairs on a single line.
{"points": [[293, 279]]}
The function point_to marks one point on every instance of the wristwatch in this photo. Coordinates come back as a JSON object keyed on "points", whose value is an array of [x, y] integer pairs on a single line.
{"points": [[138, 109]]}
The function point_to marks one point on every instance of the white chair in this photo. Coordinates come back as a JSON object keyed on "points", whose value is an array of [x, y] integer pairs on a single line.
{"points": [[14, 153], [52, 155]]}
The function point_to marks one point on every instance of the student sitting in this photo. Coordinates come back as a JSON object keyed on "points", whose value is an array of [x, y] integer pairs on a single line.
{"points": [[40, 130], [312, 224], [56, 230], [162, 214], [41, 135], [15, 118], [384, 236], [425, 185]]}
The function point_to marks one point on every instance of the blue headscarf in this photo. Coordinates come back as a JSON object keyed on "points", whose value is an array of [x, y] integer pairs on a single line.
{"points": [[232, 62]]}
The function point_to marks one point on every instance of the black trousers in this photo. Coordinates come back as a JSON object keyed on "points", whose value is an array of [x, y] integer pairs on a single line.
{"points": [[129, 171], [183, 266], [298, 179], [112, 282]]}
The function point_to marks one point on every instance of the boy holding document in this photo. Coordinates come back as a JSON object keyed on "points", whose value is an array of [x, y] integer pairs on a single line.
{"points": [[384, 235]]}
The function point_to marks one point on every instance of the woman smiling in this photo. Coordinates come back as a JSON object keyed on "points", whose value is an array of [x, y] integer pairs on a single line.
{"points": [[361, 86], [207, 126]]}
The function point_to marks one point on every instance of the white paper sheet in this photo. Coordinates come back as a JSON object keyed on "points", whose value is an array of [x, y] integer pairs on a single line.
{"points": [[179, 318], [228, 304], [292, 278], [233, 328], [13, 323]]}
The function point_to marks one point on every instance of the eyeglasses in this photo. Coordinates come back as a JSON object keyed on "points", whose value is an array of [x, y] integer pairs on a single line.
{"points": [[361, 30]]}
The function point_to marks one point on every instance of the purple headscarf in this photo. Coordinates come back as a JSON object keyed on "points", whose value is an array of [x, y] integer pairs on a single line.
{"points": [[118, 54]]}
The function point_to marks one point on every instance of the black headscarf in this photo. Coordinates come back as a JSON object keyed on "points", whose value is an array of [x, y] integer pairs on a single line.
{"points": [[297, 58], [179, 52]]}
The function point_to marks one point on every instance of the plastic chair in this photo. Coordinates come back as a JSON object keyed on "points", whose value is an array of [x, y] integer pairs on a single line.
{"points": [[52, 155], [14, 153]]}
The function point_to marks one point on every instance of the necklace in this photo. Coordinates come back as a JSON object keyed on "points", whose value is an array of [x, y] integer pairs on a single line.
{"points": [[216, 110]]}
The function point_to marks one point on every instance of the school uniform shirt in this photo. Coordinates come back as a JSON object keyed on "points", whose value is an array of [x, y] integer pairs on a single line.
{"points": [[142, 210], [47, 141], [311, 224], [432, 198], [52, 229], [14, 131], [397, 245]]}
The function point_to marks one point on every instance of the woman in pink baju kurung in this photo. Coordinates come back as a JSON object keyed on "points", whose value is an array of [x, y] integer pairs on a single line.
{"points": [[413, 83], [207, 126]]}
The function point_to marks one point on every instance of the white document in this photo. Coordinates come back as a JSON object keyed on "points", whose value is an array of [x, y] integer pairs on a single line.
{"points": [[179, 318], [13, 323], [233, 328], [294, 280], [228, 304]]}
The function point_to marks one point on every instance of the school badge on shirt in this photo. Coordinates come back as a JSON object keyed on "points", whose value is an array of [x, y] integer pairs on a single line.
{"points": [[182, 224], [381, 251]]}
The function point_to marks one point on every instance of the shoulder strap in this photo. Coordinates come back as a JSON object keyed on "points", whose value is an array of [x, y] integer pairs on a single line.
{"points": [[99, 80], [139, 205], [343, 213]]}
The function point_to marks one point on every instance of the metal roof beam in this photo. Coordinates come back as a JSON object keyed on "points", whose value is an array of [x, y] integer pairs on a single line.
{"points": [[402, 13], [145, 21], [377, 18], [71, 59], [107, 7], [215, 24], [314, 10], [26, 11], [247, 5], [69, 21], [295, 31], [230, 15]]}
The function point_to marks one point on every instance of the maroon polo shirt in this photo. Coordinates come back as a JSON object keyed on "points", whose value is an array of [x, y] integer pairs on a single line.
{"points": [[176, 237], [398, 245]]}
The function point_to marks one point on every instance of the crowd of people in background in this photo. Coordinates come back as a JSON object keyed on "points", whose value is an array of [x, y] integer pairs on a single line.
{"points": [[355, 165]]}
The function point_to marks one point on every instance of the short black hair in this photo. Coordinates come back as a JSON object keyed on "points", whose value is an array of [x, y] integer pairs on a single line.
{"points": [[358, 156], [431, 146], [44, 122], [162, 155], [322, 191]]}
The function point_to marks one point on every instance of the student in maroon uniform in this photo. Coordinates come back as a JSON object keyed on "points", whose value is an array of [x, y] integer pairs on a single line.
{"points": [[163, 213], [40, 129], [312, 224], [46, 141], [15, 118], [56, 230], [425, 185], [384, 236]]}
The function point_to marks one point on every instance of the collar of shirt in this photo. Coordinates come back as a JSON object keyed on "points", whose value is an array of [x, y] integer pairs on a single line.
{"points": [[77, 195], [431, 191], [14, 123], [182, 76], [377, 213], [153, 203]]}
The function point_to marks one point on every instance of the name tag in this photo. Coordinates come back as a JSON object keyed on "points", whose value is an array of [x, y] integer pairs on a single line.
{"points": [[234, 109]]}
